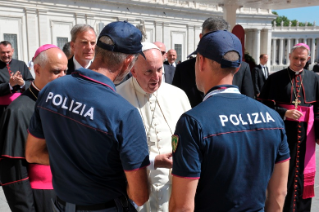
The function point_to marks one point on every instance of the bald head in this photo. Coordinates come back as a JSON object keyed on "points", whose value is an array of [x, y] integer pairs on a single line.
{"points": [[171, 56], [162, 47], [49, 65], [148, 72]]}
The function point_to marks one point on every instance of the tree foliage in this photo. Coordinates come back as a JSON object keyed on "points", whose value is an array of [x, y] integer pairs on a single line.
{"points": [[286, 21]]}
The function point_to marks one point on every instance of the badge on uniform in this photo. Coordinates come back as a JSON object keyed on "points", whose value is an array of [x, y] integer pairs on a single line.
{"points": [[174, 142]]}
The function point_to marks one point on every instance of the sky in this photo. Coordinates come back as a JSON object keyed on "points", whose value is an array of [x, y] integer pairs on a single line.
{"points": [[301, 14]]}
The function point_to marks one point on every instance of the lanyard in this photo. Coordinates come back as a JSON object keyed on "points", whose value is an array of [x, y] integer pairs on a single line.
{"points": [[220, 91]]}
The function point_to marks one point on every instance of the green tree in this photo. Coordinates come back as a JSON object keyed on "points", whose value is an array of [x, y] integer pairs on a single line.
{"points": [[286, 21]]}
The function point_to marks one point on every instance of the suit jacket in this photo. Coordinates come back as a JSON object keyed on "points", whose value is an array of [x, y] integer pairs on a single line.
{"points": [[315, 68], [259, 79], [244, 81], [166, 63], [71, 66], [184, 78], [169, 73]]}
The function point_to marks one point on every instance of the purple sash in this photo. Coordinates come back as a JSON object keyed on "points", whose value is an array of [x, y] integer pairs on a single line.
{"points": [[7, 99], [40, 176], [310, 157]]}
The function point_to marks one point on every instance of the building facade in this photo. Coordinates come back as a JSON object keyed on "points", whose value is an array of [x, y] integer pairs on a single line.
{"points": [[29, 24], [284, 38]]}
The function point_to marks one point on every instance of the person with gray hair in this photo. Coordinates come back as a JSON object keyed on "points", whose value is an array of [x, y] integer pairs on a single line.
{"points": [[68, 50], [83, 40], [184, 77], [98, 154], [294, 93], [28, 187], [160, 105]]}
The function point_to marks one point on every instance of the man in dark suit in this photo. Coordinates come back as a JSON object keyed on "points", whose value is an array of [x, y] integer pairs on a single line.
{"points": [[83, 40], [168, 70], [316, 68], [244, 81], [184, 77], [260, 74]]}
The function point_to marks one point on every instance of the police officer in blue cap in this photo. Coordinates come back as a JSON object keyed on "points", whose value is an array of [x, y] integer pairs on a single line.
{"points": [[230, 149], [90, 135]]}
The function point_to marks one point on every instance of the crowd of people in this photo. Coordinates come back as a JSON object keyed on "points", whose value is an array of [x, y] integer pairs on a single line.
{"points": [[111, 123]]}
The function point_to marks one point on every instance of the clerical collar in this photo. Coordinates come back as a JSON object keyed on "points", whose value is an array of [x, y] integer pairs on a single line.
{"points": [[77, 65], [295, 72], [221, 89], [6, 63], [34, 90], [140, 90]]}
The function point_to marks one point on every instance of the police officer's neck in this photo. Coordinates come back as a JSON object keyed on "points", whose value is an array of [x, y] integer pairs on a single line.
{"points": [[218, 80], [103, 69]]}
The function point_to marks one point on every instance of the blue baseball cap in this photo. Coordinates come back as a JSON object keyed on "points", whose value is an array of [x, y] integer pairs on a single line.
{"points": [[126, 38], [214, 45]]}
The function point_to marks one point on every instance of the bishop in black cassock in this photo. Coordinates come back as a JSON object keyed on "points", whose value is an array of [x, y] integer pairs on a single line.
{"points": [[27, 187], [5, 70], [291, 92], [14, 167]]}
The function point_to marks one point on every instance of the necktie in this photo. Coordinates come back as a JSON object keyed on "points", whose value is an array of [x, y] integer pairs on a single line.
{"points": [[265, 71]]}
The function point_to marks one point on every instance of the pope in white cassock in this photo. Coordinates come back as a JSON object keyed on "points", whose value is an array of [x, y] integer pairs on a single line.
{"points": [[160, 106]]}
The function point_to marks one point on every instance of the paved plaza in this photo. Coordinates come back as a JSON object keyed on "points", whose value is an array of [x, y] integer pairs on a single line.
{"points": [[315, 202]]}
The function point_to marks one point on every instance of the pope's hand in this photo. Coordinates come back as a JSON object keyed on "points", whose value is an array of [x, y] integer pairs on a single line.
{"points": [[163, 161]]}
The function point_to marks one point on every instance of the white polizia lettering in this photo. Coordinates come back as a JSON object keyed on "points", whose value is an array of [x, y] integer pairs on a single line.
{"points": [[244, 119], [71, 105]]}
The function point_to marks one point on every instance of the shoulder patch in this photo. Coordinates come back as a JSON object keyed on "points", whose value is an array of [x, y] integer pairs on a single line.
{"points": [[174, 142]]}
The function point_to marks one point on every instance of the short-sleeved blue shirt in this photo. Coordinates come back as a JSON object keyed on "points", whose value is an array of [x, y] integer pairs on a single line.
{"points": [[231, 143], [92, 135]]}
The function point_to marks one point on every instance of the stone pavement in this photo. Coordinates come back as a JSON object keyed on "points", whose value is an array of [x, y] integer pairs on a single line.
{"points": [[315, 201]]}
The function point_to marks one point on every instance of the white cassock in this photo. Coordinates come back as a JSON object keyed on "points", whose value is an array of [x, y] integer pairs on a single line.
{"points": [[160, 112]]}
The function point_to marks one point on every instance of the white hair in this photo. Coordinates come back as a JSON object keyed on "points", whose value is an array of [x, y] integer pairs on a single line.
{"points": [[41, 59]]}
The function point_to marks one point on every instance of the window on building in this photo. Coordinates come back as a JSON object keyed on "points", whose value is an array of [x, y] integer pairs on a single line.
{"points": [[61, 41], [13, 39], [178, 49]]}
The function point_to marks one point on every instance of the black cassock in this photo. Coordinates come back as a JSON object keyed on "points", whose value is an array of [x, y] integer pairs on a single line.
{"points": [[13, 166], [14, 66], [278, 90]]}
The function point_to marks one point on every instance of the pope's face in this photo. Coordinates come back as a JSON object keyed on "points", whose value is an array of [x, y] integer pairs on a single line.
{"points": [[298, 59], [148, 73]]}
